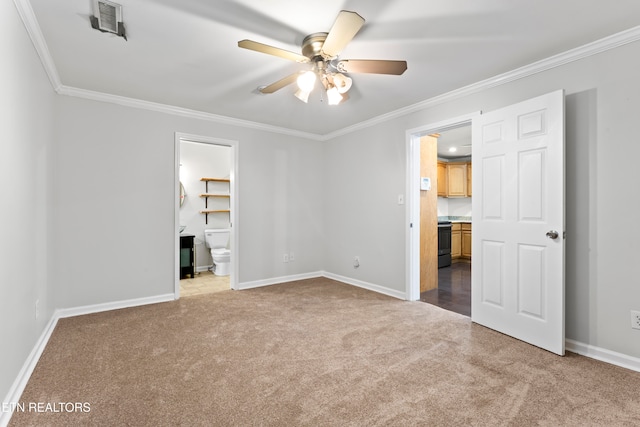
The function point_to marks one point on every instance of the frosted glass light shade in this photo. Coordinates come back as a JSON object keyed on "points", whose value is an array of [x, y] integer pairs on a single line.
{"points": [[342, 82], [333, 96], [302, 95], [306, 81]]}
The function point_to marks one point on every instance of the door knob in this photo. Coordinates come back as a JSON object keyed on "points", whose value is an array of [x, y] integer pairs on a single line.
{"points": [[552, 234]]}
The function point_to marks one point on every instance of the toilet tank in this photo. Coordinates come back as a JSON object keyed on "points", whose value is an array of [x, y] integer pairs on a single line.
{"points": [[217, 237]]}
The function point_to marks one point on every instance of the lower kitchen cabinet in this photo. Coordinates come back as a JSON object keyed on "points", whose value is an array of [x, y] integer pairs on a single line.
{"points": [[461, 240], [466, 240], [456, 240]]}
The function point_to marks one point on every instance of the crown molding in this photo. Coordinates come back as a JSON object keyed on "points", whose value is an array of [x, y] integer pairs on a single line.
{"points": [[179, 111], [594, 48], [37, 38], [31, 23]]}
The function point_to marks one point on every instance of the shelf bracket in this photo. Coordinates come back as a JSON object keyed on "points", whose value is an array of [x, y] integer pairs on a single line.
{"points": [[206, 202]]}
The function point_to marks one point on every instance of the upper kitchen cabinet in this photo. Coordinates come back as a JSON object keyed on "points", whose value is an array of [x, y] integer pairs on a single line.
{"points": [[442, 179], [469, 179], [454, 179]]}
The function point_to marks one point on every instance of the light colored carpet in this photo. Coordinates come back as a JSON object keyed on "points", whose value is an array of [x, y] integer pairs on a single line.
{"points": [[314, 353]]}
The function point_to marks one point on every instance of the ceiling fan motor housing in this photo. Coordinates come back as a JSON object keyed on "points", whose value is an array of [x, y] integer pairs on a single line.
{"points": [[312, 46]]}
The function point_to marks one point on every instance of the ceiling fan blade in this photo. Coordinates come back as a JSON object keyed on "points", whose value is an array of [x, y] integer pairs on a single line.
{"points": [[265, 48], [345, 27], [280, 83], [373, 66]]}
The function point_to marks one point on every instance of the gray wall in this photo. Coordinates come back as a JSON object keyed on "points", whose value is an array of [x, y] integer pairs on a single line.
{"points": [[115, 202], [364, 173], [26, 121], [602, 108]]}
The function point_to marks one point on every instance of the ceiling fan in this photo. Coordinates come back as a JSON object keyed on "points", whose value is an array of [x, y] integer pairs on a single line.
{"points": [[321, 50]]}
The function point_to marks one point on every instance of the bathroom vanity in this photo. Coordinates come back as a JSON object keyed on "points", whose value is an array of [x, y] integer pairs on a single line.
{"points": [[187, 255]]}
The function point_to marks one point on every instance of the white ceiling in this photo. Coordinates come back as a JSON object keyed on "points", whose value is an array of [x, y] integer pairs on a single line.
{"points": [[184, 53], [459, 139]]}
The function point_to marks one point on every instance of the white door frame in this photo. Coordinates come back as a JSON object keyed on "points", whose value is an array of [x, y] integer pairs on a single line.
{"points": [[233, 219], [413, 190]]}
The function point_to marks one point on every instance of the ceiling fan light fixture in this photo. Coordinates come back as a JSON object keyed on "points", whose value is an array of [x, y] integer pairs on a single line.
{"points": [[321, 51], [342, 82], [302, 95], [306, 81], [333, 96]]}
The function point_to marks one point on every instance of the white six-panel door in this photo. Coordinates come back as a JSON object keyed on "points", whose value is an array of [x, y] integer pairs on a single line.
{"points": [[518, 221]]}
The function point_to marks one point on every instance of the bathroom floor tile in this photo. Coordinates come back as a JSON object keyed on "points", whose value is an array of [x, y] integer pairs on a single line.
{"points": [[204, 283]]}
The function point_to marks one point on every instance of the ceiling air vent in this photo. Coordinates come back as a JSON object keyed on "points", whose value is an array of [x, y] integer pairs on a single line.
{"points": [[107, 17]]}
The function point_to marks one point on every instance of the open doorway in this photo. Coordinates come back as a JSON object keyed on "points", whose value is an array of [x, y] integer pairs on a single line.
{"points": [[454, 192], [206, 215], [517, 276], [414, 137]]}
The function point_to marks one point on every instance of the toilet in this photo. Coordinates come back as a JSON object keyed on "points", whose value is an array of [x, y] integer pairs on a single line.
{"points": [[217, 240]]}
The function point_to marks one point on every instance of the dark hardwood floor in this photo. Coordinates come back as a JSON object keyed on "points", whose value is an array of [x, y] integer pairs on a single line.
{"points": [[454, 289]]}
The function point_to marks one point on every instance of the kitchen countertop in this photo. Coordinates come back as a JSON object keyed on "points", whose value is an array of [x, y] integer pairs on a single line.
{"points": [[455, 219]]}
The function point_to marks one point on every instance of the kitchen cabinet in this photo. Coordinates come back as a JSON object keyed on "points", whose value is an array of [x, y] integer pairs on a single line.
{"points": [[454, 179], [456, 240], [466, 240], [468, 179], [442, 179], [461, 240]]}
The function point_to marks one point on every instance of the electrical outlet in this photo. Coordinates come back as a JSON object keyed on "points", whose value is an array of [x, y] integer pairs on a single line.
{"points": [[635, 319], [356, 262], [291, 257], [285, 258]]}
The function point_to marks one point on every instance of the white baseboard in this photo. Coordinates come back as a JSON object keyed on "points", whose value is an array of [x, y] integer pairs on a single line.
{"points": [[202, 268], [366, 285], [97, 308], [15, 392], [276, 280], [283, 279], [603, 355]]}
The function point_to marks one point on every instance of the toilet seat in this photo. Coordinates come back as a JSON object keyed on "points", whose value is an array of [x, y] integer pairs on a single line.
{"points": [[221, 251]]}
